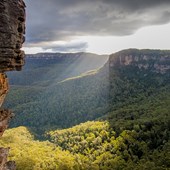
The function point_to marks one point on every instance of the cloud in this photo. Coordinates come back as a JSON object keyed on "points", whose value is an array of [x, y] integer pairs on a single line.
{"points": [[56, 20], [67, 47], [59, 46]]}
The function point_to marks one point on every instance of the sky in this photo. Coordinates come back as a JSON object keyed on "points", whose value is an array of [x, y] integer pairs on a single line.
{"points": [[97, 26]]}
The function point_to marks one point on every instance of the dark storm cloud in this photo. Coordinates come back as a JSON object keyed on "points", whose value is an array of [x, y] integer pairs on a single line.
{"points": [[56, 20]]}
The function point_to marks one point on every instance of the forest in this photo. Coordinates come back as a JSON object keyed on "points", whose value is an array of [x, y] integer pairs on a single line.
{"points": [[109, 118]]}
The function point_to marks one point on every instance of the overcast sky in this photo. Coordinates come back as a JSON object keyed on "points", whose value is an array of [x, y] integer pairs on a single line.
{"points": [[99, 26]]}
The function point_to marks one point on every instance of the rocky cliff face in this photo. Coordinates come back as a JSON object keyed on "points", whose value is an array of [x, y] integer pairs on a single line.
{"points": [[5, 114], [12, 30], [3, 87], [157, 61]]}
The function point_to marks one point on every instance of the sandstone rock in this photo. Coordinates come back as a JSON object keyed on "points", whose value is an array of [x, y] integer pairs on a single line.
{"points": [[3, 157], [4, 165], [12, 30], [5, 117], [3, 87], [156, 60]]}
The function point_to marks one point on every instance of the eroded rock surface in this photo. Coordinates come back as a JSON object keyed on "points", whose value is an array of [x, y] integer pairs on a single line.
{"points": [[5, 114], [3, 157], [155, 60], [5, 117], [4, 165], [3, 87], [12, 30]]}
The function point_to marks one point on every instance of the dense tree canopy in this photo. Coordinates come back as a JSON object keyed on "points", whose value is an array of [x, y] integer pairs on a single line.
{"points": [[112, 118]]}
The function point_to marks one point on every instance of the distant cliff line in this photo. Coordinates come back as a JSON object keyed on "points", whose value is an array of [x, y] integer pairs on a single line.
{"points": [[156, 60]]}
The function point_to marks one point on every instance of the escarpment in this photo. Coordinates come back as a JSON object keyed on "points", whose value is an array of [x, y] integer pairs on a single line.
{"points": [[134, 71], [5, 114], [3, 87], [12, 30], [157, 61]]}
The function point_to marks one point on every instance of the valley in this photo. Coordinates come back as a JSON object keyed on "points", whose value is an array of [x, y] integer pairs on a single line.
{"points": [[105, 113]]}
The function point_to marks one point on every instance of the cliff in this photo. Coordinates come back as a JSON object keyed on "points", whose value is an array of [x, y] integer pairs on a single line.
{"points": [[3, 87], [133, 72], [157, 61], [5, 114], [12, 30]]}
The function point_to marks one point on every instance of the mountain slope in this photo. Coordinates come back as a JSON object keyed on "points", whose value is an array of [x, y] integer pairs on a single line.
{"points": [[43, 68], [129, 78], [129, 99]]}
